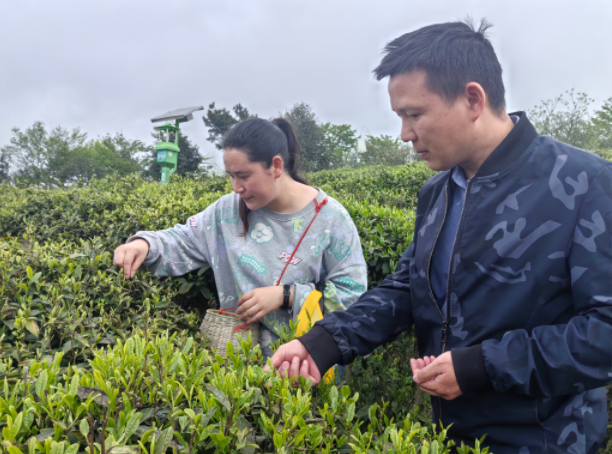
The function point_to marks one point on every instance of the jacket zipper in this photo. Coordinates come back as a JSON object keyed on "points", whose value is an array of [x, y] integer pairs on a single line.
{"points": [[444, 321], [450, 267]]}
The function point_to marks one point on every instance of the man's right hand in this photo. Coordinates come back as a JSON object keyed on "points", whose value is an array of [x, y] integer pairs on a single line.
{"points": [[130, 256], [293, 360]]}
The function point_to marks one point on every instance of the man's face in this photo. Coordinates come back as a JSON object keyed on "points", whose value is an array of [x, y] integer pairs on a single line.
{"points": [[439, 132]]}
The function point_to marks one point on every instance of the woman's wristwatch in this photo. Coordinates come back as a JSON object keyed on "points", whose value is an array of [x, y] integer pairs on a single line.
{"points": [[286, 296]]}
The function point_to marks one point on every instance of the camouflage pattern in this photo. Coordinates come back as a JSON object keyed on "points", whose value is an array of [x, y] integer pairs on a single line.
{"points": [[530, 280]]}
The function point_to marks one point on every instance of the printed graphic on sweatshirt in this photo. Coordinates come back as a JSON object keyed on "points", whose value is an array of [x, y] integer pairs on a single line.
{"points": [[338, 248], [252, 263], [229, 215], [352, 284], [285, 258], [297, 224], [262, 233]]}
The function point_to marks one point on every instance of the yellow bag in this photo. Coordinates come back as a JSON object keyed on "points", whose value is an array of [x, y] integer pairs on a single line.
{"points": [[308, 316]]}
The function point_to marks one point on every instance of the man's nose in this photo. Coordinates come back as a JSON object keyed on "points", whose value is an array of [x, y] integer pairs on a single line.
{"points": [[407, 133]]}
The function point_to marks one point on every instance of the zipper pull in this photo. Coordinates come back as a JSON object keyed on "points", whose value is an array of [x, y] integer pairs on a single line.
{"points": [[445, 327]]}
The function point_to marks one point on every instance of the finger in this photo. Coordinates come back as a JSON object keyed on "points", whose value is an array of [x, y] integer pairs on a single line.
{"points": [[138, 261], [279, 356], [284, 368], [246, 296], [128, 259], [248, 307], [294, 372], [421, 363], [427, 360], [119, 255], [429, 373], [305, 370], [257, 316], [413, 366]]}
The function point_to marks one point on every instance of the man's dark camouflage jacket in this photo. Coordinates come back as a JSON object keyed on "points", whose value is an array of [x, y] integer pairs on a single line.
{"points": [[528, 316]]}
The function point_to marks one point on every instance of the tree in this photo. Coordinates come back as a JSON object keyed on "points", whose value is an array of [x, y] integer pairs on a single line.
{"points": [[61, 157], [105, 156], [386, 150], [190, 161], [310, 135], [219, 121], [4, 166], [565, 118], [39, 154], [339, 143], [602, 121]]}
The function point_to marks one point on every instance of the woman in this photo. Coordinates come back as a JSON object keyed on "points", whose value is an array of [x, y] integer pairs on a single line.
{"points": [[249, 236]]}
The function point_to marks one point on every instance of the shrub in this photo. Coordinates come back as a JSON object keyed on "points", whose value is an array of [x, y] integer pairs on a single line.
{"points": [[172, 394]]}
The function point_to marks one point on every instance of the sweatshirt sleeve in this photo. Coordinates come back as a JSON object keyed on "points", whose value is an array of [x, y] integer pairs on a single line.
{"points": [[177, 250], [553, 360]]}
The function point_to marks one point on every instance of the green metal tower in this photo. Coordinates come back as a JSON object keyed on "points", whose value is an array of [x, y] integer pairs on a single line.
{"points": [[167, 152]]}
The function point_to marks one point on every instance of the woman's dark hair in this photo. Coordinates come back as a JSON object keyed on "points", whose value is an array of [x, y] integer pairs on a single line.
{"points": [[452, 55], [262, 140]]}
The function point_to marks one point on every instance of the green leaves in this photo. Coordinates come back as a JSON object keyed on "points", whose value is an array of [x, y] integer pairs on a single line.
{"points": [[219, 396], [41, 383]]}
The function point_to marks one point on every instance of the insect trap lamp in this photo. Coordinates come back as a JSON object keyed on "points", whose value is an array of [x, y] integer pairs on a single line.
{"points": [[167, 151]]}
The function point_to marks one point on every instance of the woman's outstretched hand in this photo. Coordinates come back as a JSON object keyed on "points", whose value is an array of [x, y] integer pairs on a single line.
{"points": [[130, 256], [255, 304], [293, 360]]}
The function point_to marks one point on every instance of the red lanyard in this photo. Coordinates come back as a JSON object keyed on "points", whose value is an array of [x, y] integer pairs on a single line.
{"points": [[318, 207]]}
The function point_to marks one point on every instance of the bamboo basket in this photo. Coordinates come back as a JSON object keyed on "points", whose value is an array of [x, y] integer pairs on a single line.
{"points": [[218, 328]]}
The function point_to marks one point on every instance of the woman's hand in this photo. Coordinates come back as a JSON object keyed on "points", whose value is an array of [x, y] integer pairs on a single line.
{"points": [[130, 256], [255, 304]]}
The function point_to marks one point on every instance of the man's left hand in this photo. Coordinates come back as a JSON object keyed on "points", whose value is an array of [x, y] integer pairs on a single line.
{"points": [[438, 377]]}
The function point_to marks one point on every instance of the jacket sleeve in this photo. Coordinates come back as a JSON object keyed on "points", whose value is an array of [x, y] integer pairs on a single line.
{"points": [[553, 360], [177, 250], [378, 317]]}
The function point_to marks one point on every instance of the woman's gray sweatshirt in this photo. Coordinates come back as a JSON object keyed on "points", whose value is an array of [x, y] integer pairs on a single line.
{"points": [[330, 252]]}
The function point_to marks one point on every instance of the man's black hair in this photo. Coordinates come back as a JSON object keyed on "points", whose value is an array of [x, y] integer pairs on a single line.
{"points": [[451, 54]]}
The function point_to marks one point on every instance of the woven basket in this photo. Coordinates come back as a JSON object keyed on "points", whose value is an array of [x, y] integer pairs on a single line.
{"points": [[218, 328]]}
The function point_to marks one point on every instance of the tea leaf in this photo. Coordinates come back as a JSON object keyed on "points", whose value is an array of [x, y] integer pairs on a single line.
{"points": [[221, 398]]}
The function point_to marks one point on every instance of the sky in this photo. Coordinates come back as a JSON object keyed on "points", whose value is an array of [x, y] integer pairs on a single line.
{"points": [[110, 66]]}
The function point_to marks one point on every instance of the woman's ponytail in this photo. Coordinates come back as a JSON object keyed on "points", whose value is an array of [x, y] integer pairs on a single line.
{"points": [[294, 150]]}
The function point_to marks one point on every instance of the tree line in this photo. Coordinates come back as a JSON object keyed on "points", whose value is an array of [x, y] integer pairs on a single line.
{"points": [[60, 157]]}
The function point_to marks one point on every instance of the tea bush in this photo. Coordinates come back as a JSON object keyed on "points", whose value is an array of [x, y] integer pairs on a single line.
{"points": [[59, 297], [165, 393]]}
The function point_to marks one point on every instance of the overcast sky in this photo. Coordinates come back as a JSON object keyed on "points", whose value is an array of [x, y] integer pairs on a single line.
{"points": [[112, 65]]}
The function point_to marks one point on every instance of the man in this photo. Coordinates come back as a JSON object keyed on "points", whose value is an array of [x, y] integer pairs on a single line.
{"points": [[508, 280]]}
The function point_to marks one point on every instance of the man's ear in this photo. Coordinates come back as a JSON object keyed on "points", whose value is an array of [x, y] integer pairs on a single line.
{"points": [[476, 98], [277, 166]]}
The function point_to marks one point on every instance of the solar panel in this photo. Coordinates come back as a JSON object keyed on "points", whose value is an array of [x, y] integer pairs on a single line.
{"points": [[182, 115]]}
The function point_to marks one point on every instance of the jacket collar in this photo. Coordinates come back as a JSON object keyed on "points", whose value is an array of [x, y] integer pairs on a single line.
{"points": [[509, 150]]}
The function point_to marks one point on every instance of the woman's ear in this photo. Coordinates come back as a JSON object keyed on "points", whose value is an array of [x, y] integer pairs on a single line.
{"points": [[277, 166]]}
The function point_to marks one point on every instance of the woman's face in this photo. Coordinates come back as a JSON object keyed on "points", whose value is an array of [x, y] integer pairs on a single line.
{"points": [[250, 180]]}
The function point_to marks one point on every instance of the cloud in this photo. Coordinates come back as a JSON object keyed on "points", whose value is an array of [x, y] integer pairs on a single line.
{"points": [[262, 233]]}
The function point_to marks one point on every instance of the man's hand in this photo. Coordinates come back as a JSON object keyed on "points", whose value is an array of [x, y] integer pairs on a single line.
{"points": [[436, 376], [130, 256], [293, 360], [255, 304]]}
